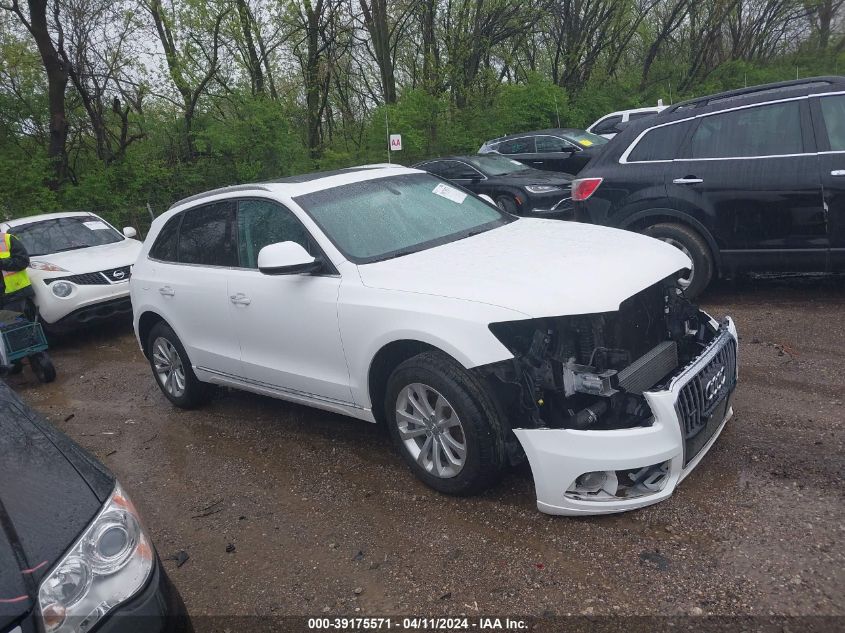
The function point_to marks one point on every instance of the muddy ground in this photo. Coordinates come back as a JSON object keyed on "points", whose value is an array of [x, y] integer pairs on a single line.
{"points": [[288, 510]]}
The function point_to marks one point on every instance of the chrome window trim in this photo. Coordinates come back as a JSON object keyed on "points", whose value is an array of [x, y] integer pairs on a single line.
{"points": [[623, 160]]}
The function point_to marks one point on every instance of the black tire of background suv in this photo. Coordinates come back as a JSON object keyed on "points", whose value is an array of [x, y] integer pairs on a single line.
{"points": [[482, 423], [699, 251], [507, 204], [196, 393]]}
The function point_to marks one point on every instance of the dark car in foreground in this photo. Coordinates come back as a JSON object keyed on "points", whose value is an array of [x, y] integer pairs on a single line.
{"points": [[74, 556], [747, 180], [515, 188], [565, 150]]}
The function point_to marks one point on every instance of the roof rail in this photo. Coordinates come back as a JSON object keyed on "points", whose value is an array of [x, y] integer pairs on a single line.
{"points": [[752, 90], [214, 192]]}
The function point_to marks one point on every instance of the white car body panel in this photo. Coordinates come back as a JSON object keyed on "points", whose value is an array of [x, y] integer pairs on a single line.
{"points": [[85, 260], [626, 116], [312, 339]]}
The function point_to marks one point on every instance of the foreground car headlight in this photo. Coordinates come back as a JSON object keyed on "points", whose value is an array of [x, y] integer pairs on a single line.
{"points": [[542, 188], [61, 289], [52, 268], [109, 563]]}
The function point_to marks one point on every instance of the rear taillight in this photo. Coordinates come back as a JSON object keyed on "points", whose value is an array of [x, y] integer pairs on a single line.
{"points": [[583, 188]]}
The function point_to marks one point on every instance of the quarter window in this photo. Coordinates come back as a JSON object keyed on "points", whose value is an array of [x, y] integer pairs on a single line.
{"points": [[659, 143], [206, 236], [760, 131], [517, 146], [833, 111], [164, 248], [262, 222]]}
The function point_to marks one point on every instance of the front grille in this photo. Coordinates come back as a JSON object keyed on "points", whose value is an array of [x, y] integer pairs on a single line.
{"points": [[102, 278], [702, 402]]}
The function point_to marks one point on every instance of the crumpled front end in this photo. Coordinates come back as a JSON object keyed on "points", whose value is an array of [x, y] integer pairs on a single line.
{"points": [[614, 410]]}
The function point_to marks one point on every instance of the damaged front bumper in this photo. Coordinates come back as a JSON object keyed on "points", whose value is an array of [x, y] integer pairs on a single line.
{"points": [[604, 471]]}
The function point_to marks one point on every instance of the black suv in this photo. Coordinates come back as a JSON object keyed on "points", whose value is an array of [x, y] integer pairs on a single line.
{"points": [[752, 179], [558, 149]]}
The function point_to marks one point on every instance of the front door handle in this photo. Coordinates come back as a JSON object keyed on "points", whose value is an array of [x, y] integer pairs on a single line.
{"points": [[838, 172], [240, 299], [687, 181], [166, 291]]}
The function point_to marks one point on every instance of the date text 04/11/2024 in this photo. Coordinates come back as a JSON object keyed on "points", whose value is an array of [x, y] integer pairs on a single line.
{"points": [[418, 624]]}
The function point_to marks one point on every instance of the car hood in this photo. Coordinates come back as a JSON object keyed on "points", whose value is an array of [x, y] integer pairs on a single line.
{"points": [[537, 267], [95, 258], [536, 177], [50, 490]]}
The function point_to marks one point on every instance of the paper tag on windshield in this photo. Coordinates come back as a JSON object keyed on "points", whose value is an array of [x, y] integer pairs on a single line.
{"points": [[97, 225], [450, 193], [586, 142]]}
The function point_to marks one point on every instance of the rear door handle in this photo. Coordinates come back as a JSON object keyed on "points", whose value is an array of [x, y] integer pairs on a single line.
{"points": [[838, 172], [240, 299], [166, 291], [687, 181]]}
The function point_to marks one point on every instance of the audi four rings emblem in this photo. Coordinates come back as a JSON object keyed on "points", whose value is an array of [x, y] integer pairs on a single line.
{"points": [[715, 384]]}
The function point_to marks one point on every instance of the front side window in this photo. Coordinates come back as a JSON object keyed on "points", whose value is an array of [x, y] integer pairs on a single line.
{"points": [[437, 167], [64, 234], [768, 130], [552, 144], [833, 112], [388, 217], [207, 235], [263, 222], [461, 171], [517, 146]]}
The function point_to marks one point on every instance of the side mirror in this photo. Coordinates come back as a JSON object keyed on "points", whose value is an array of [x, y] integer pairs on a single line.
{"points": [[286, 258], [129, 232]]}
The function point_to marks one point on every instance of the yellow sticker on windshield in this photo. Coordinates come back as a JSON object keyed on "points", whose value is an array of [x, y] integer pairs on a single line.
{"points": [[586, 142]]}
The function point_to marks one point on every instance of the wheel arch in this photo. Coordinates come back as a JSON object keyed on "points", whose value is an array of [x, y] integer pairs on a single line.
{"points": [[146, 322], [649, 217], [386, 359]]}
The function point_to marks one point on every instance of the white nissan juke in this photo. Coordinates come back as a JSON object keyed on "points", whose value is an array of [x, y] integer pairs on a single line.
{"points": [[479, 338], [79, 267]]}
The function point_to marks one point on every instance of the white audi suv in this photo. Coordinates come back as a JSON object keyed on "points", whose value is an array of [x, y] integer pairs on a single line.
{"points": [[480, 339]]}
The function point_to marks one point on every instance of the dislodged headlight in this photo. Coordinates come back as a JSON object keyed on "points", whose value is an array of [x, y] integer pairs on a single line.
{"points": [[61, 289], [542, 188], [39, 265], [109, 563]]}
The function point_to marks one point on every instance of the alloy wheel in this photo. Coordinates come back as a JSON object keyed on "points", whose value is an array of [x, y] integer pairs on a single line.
{"points": [[431, 430], [169, 367]]}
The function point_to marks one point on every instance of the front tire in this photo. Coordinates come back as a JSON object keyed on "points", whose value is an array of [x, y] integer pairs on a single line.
{"points": [[507, 204], [445, 424], [692, 244], [172, 369]]}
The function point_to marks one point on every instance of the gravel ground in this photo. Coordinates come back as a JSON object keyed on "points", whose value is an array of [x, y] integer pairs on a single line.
{"points": [[286, 510]]}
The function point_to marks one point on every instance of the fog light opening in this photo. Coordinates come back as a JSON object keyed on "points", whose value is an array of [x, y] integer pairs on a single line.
{"points": [[614, 485]]}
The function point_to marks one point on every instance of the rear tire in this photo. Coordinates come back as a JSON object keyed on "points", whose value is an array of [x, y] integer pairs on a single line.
{"points": [[693, 244], [42, 366], [172, 369], [459, 448]]}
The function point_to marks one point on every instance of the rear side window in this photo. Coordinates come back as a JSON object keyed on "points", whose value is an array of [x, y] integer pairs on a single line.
{"points": [[164, 248], [517, 146], [659, 143], [552, 144], [833, 112], [438, 168], [760, 131], [608, 126], [207, 235], [262, 222]]}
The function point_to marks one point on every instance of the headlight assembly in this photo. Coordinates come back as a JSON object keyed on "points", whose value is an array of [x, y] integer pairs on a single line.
{"points": [[47, 266], [109, 564], [62, 289], [542, 188]]}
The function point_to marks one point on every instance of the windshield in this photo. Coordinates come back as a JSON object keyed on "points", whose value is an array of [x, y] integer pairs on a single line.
{"points": [[378, 219], [584, 139], [64, 234], [494, 165]]}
